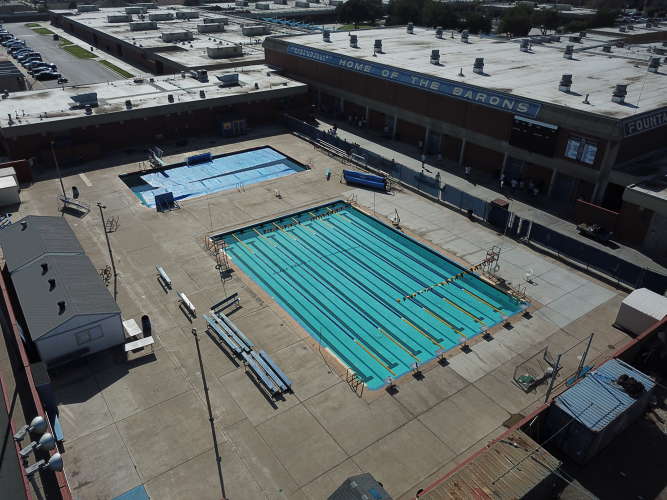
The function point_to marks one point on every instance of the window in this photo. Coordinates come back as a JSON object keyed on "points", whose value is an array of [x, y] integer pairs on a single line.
{"points": [[85, 336], [581, 149], [531, 135]]}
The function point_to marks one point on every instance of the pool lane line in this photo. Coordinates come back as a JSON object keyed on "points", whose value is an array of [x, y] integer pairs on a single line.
{"points": [[300, 223], [264, 237], [374, 357], [387, 262], [315, 217], [424, 333], [401, 346], [288, 234], [426, 264], [478, 320], [242, 243], [481, 300], [436, 316]]}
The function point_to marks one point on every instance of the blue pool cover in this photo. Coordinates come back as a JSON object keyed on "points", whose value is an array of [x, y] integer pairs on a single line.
{"points": [[218, 174]]}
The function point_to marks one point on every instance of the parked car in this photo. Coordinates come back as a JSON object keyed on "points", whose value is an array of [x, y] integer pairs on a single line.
{"points": [[31, 60], [48, 75], [62, 80], [28, 56], [12, 44], [26, 53], [17, 48], [33, 65], [9, 42], [38, 69]]}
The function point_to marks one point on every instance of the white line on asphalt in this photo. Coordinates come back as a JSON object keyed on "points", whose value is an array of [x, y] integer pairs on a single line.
{"points": [[85, 180]]}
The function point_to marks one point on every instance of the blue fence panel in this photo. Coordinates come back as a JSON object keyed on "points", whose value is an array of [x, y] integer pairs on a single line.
{"points": [[452, 195], [655, 281], [523, 230], [498, 217], [470, 202]]}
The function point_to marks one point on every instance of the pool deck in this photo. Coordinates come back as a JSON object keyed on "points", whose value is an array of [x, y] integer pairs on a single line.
{"points": [[145, 421]]}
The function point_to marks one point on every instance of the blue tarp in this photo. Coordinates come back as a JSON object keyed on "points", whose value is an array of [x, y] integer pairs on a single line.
{"points": [[374, 181]]}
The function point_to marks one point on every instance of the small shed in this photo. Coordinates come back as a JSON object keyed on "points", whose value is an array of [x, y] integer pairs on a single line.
{"points": [[9, 191], [67, 308], [639, 310], [588, 416]]}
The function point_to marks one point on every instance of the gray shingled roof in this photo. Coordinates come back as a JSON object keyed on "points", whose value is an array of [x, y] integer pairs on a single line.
{"points": [[35, 236], [76, 283]]}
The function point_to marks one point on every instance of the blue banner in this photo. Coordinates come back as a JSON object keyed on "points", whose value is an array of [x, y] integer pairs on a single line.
{"points": [[497, 100]]}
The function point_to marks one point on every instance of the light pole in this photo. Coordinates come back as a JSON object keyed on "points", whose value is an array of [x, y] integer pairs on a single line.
{"points": [[55, 161], [106, 234]]}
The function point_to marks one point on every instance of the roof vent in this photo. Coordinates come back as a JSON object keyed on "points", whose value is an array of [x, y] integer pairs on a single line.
{"points": [[170, 97], [202, 94], [554, 38], [569, 52], [620, 91], [582, 34], [435, 57], [478, 67], [61, 307], [438, 32], [606, 48], [24, 225], [525, 45], [377, 47], [622, 29], [128, 104], [649, 24], [52, 284], [654, 65], [89, 109], [353, 42], [464, 36], [45, 268], [326, 36], [411, 28], [631, 27], [575, 39], [565, 83]]}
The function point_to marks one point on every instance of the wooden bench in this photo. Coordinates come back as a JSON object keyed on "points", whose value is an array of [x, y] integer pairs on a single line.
{"points": [[284, 378], [230, 324], [260, 374], [164, 276], [223, 336], [79, 206], [186, 302], [138, 344]]}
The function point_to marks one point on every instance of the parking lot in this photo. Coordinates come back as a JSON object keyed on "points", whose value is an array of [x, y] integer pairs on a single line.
{"points": [[78, 71]]}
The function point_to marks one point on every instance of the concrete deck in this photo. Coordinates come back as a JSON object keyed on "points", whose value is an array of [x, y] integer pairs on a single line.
{"points": [[146, 421]]}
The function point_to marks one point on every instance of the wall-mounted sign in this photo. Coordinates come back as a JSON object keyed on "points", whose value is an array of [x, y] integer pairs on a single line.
{"points": [[497, 100], [644, 123]]}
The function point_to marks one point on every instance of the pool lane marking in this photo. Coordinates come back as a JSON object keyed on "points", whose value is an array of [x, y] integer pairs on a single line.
{"points": [[463, 310], [302, 224], [374, 357], [242, 243], [272, 243], [444, 321], [388, 335], [315, 217], [424, 333], [481, 300], [288, 234]]}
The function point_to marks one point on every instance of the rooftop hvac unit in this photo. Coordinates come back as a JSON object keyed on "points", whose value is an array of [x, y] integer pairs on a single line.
{"points": [[326, 36], [631, 27], [411, 28], [478, 67], [569, 52], [464, 36], [128, 104], [83, 100], [654, 65], [606, 48], [622, 29], [89, 109], [620, 91], [565, 83], [377, 46], [438, 32], [202, 94], [524, 45], [435, 57], [353, 42], [228, 79], [170, 98], [575, 39]]}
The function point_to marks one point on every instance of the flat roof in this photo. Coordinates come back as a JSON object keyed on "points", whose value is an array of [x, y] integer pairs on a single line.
{"points": [[289, 8], [49, 105], [190, 53], [533, 75]]}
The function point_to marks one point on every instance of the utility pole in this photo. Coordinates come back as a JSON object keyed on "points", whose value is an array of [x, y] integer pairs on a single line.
{"points": [[60, 177], [113, 265]]}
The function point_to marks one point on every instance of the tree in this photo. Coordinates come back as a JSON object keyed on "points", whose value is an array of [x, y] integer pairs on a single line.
{"points": [[603, 17], [545, 20], [440, 14], [516, 21], [475, 22], [405, 11], [357, 11]]}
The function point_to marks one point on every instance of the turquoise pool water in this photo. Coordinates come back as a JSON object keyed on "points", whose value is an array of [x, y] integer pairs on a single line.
{"points": [[344, 276], [219, 174]]}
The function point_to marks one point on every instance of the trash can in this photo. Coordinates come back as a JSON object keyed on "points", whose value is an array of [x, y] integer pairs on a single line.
{"points": [[146, 325], [75, 192]]}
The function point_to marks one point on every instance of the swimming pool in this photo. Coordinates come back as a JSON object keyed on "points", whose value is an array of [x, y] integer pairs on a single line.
{"points": [[220, 173], [376, 298]]}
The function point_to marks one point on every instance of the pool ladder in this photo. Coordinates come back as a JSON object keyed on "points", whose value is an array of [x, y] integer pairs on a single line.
{"points": [[355, 383]]}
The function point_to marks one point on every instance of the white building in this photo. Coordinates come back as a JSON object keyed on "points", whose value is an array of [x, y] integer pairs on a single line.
{"points": [[68, 311]]}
